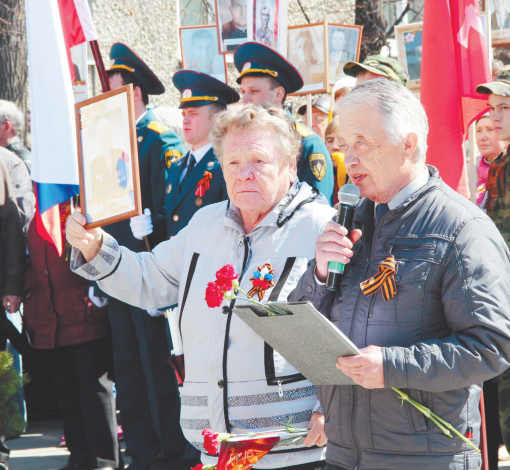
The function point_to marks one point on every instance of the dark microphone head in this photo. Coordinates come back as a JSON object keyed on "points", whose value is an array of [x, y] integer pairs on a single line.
{"points": [[348, 195]]}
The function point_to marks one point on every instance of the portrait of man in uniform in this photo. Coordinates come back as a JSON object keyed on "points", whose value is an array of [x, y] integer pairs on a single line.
{"points": [[103, 168], [265, 20], [200, 51], [232, 16], [108, 158]]}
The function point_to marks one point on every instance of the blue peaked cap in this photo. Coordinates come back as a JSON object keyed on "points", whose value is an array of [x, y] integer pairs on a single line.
{"points": [[199, 89], [124, 59], [258, 60]]}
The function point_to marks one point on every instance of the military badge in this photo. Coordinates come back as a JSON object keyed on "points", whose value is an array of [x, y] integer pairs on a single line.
{"points": [[246, 67], [318, 165], [187, 93], [171, 156]]}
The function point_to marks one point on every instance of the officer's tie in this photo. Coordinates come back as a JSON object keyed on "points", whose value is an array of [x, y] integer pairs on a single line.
{"points": [[191, 165], [381, 210]]}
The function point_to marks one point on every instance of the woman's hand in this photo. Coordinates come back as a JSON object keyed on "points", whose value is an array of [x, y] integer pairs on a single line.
{"points": [[87, 241]]}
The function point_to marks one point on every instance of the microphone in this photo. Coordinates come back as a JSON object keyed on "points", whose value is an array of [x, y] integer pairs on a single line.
{"points": [[348, 197]]}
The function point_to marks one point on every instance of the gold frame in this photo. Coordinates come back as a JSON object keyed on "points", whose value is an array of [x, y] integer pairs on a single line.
{"points": [[413, 85], [324, 25]]}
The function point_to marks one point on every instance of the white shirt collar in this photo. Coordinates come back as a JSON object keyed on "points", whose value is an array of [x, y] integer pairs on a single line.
{"points": [[199, 154], [140, 118], [418, 183]]}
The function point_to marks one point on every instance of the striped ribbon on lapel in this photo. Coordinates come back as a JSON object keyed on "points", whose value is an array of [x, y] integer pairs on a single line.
{"points": [[384, 280]]}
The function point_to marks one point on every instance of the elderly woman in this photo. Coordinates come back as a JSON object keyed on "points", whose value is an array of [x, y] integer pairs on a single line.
{"points": [[437, 326], [234, 381]]}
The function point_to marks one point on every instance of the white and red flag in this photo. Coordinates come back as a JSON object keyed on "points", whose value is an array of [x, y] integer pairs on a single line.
{"points": [[53, 27], [455, 60]]}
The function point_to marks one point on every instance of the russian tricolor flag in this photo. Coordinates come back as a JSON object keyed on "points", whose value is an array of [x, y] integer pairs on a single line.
{"points": [[53, 27]]}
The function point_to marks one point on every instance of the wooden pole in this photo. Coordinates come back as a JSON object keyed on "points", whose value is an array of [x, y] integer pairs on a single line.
{"points": [[105, 85], [309, 110], [472, 162]]}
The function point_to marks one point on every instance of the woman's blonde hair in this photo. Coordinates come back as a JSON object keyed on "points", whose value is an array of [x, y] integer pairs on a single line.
{"points": [[254, 116]]}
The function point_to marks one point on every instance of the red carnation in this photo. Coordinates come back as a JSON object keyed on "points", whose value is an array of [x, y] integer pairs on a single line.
{"points": [[213, 295], [200, 466], [211, 441], [225, 276]]}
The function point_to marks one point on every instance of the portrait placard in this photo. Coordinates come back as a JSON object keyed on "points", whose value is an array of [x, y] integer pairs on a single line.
{"points": [[200, 51], [81, 75], [409, 50], [308, 53], [344, 44], [233, 18], [108, 157], [270, 24], [500, 21]]}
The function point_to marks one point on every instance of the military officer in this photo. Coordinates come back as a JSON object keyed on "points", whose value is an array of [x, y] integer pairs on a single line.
{"points": [[147, 392], [196, 180], [267, 76]]}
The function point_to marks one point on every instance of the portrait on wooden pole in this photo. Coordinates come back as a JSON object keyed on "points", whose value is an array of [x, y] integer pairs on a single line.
{"points": [[108, 157]]}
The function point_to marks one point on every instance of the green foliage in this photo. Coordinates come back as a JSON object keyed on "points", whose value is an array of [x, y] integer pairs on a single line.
{"points": [[11, 420]]}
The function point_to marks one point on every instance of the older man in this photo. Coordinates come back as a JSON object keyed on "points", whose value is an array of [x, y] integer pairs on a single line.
{"points": [[442, 330], [234, 381], [12, 123]]}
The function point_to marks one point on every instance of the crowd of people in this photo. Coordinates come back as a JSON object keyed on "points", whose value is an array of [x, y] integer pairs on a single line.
{"points": [[100, 321]]}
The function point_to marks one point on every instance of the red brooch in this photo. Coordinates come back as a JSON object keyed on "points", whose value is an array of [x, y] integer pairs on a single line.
{"points": [[203, 185]]}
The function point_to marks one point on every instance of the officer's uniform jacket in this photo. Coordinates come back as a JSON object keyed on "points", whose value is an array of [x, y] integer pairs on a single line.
{"points": [[182, 204], [314, 164], [254, 372], [157, 146]]}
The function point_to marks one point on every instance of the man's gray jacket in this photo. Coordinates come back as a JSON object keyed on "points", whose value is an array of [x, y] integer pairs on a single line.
{"points": [[445, 331]]}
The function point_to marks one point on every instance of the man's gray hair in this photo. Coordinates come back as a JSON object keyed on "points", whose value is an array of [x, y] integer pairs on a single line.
{"points": [[401, 111], [254, 117], [10, 112]]}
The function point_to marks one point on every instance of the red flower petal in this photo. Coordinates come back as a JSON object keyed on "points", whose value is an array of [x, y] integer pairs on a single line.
{"points": [[200, 466], [211, 441], [225, 276], [213, 295]]}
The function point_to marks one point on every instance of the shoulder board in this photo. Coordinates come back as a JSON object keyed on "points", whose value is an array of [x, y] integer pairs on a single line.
{"points": [[157, 127], [303, 131]]}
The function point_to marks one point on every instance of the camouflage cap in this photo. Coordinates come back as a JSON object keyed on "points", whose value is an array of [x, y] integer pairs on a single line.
{"points": [[500, 85], [380, 65]]}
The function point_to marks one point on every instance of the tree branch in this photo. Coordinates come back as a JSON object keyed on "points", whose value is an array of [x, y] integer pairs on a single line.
{"points": [[400, 18], [303, 10]]}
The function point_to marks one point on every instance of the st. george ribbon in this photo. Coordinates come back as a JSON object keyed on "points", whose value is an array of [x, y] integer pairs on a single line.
{"points": [[348, 198]]}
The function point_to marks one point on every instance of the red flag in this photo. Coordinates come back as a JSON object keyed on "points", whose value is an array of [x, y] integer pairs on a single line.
{"points": [[454, 62], [77, 26], [237, 455]]}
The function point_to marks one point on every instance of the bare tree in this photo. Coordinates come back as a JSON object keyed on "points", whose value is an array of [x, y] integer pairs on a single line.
{"points": [[369, 15], [13, 53]]}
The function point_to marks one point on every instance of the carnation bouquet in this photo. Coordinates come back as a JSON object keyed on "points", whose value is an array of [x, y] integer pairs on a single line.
{"points": [[243, 451]]}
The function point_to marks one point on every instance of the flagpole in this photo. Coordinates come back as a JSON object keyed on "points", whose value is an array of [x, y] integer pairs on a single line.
{"points": [[103, 78], [105, 85]]}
